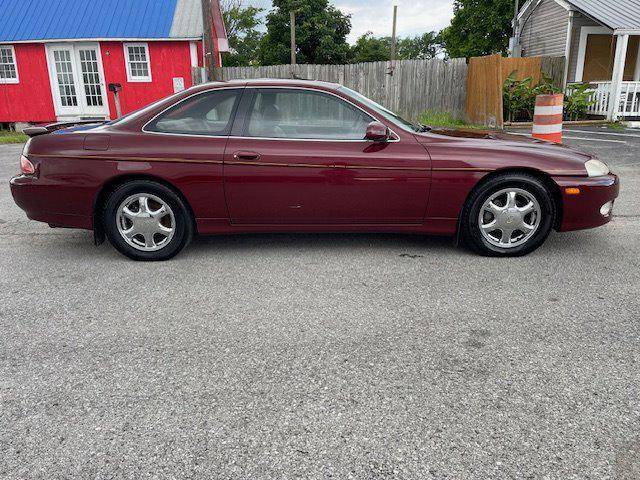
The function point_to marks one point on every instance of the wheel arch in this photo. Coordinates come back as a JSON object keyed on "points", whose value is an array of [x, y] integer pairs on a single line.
{"points": [[109, 186], [544, 177]]}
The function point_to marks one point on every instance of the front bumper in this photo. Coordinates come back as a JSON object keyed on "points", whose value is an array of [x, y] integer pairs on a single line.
{"points": [[582, 211]]}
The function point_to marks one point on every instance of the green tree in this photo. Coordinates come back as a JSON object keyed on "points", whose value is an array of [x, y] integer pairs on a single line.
{"points": [[321, 33], [376, 49], [242, 31], [371, 49], [478, 27], [421, 47]]}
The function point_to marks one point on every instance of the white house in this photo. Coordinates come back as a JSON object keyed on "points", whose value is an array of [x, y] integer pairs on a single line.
{"points": [[600, 40]]}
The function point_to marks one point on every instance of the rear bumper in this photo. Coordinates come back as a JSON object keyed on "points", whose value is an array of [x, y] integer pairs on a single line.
{"points": [[582, 211], [41, 202]]}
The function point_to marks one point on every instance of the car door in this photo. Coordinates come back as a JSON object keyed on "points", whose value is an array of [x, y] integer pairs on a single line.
{"points": [[275, 173], [187, 141], [300, 157], [383, 182]]}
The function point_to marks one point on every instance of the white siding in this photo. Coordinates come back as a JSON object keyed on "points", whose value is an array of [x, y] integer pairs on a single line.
{"points": [[545, 30]]}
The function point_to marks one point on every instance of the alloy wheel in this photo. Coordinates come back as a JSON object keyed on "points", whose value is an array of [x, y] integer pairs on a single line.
{"points": [[146, 222], [509, 217]]}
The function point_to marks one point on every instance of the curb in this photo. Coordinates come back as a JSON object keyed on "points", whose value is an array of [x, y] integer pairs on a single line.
{"points": [[568, 123]]}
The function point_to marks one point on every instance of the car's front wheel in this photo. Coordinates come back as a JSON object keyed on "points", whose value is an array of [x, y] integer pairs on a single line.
{"points": [[508, 215], [145, 220]]}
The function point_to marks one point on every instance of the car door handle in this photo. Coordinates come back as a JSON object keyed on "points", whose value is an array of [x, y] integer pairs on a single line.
{"points": [[246, 156]]}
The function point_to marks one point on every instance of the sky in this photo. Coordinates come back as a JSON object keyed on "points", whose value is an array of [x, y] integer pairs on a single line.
{"points": [[414, 16]]}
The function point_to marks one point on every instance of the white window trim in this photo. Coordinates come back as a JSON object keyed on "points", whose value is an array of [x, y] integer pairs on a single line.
{"points": [[130, 78], [15, 64], [582, 48], [81, 110], [193, 54]]}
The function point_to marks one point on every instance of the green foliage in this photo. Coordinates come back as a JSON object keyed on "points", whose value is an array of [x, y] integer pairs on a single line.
{"points": [[378, 49], [420, 47], [577, 102], [12, 137], [519, 96], [546, 86], [444, 119], [371, 49], [242, 31], [321, 33], [478, 27]]}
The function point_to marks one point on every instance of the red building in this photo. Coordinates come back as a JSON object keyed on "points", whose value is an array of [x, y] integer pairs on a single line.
{"points": [[57, 59]]}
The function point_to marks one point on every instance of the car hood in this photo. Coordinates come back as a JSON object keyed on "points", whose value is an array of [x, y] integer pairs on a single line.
{"points": [[514, 146]]}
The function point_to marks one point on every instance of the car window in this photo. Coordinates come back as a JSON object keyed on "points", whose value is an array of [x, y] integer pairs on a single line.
{"points": [[304, 114], [208, 113], [141, 111], [386, 113]]}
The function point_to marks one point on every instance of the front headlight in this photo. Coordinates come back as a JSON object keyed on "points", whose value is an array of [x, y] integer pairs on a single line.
{"points": [[596, 168]]}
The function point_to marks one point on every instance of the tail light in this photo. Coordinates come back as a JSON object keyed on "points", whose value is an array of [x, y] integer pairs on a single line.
{"points": [[26, 166]]}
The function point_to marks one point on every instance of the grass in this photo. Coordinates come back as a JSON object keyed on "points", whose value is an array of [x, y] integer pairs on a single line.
{"points": [[12, 137], [444, 119]]}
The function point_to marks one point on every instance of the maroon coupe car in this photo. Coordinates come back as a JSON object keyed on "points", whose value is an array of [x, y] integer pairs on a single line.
{"points": [[301, 156]]}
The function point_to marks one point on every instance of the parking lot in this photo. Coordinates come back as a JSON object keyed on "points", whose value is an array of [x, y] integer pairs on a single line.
{"points": [[323, 356]]}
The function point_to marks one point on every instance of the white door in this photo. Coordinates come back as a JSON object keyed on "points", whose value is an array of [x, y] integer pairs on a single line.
{"points": [[77, 81]]}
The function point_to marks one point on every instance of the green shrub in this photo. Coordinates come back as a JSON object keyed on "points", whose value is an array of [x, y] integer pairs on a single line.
{"points": [[577, 103], [519, 96]]}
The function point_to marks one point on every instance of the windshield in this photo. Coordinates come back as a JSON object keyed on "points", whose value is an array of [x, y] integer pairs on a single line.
{"points": [[388, 114]]}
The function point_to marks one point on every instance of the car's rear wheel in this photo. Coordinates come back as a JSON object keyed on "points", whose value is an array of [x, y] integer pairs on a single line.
{"points": [[145, 220], [508, 215]]}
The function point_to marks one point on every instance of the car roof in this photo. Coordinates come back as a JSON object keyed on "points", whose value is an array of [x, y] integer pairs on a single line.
{"points": [[272, 82]]}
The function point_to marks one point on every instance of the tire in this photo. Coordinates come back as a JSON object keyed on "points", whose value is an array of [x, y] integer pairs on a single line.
{"points": [[517, 200], [154, 229]]}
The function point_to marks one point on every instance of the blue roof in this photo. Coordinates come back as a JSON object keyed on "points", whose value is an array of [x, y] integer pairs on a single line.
{"points": [[24, 20]]}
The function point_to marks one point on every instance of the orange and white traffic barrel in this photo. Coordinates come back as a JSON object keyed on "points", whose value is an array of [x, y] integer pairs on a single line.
{"points": [[547, 118]]}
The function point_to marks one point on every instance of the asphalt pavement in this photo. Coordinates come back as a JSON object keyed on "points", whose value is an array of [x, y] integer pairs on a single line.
{"points": [[323, 356]]}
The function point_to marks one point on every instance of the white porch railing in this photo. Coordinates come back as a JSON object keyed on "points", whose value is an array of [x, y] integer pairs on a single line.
{"points": [[629, 102]]}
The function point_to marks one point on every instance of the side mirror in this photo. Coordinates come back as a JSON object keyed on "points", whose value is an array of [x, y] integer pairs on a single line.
{"points": [[377, 132]]}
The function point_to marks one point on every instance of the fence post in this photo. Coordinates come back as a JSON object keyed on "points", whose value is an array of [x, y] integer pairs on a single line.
{"points": [[484, 91]]}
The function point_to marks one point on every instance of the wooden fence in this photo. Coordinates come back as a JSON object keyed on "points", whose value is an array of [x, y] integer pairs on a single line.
{"points": [[553, 67], [486, 78], [472, 92], [416, 86]]}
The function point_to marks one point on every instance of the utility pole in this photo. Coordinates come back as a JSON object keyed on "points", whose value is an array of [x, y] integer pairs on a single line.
{"points": [[392, 66], [292, 15], [514, 42], [207, 45]]}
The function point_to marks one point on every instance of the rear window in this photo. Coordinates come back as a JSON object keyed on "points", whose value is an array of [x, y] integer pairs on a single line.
{"points": [[207, 113], [141, 111]]}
